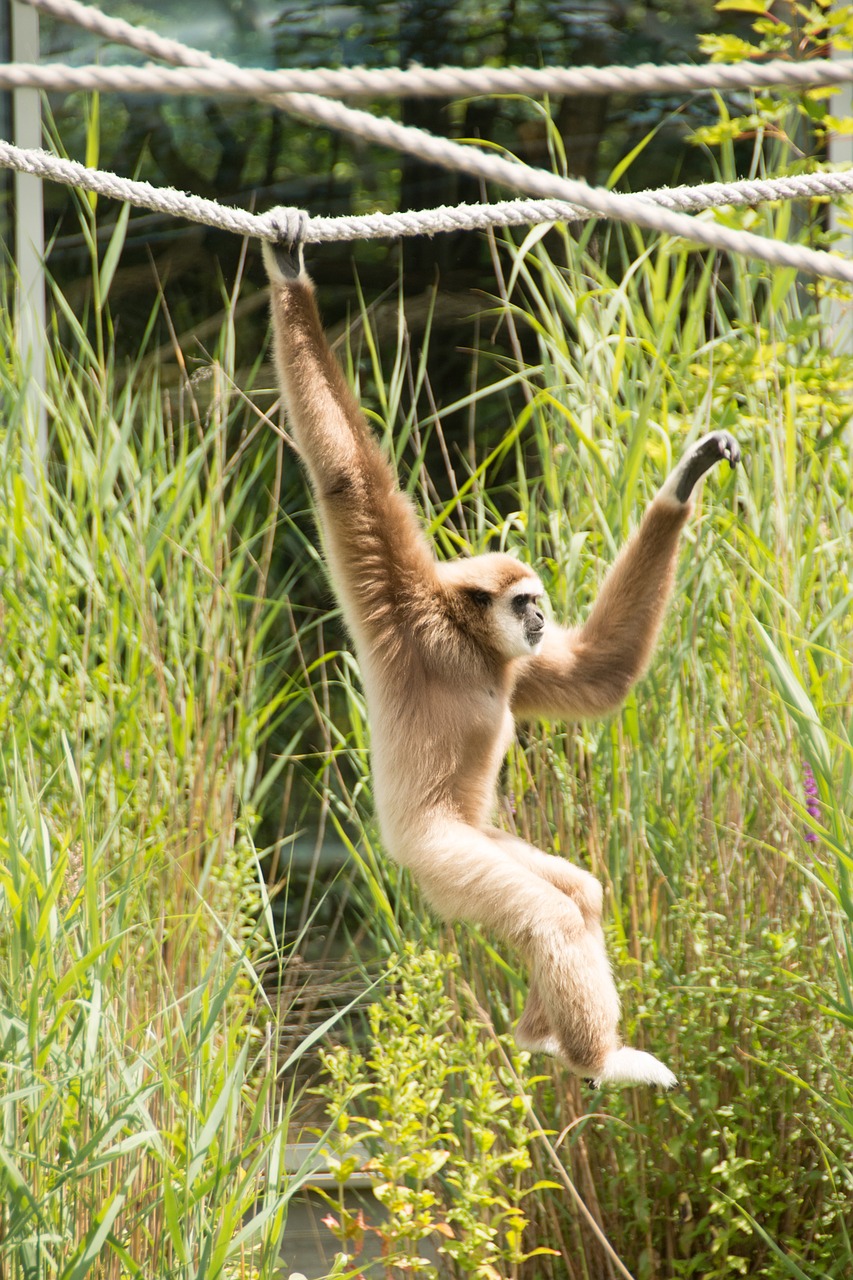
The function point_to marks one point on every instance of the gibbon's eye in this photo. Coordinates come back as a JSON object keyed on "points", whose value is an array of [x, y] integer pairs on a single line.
{"points": [[521, 603], [480, 598]]}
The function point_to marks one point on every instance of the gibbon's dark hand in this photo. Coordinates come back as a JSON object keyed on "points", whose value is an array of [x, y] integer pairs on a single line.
{"points": [[284, 259], [698, 459]]}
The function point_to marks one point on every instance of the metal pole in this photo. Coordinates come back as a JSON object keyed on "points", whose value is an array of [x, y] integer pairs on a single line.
{"points": [[29, 229], [839, 315]]}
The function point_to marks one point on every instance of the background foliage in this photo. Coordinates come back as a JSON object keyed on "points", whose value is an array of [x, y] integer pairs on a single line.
{"points": [[253, 156], [183, 745]]}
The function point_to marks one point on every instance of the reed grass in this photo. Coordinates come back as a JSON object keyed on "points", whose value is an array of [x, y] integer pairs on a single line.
{"points": [[144, 1095], [155, 641], [729, 905]]}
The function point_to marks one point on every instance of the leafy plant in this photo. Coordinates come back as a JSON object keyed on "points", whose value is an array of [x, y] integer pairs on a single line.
{"points": [[435, 1106]]}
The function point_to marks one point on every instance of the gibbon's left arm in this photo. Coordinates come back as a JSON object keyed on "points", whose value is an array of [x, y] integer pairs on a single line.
{"points": [[588, 670], [380, 562]]}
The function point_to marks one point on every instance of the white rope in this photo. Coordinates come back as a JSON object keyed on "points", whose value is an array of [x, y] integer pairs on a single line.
{"points": [[429, 222], [467, 159], [228, 79], [263, 84], [445, 82], [537, 182], [162, 199]]}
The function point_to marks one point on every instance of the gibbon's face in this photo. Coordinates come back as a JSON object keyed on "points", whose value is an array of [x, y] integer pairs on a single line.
{"points": [[518, 619], [499, 599]]}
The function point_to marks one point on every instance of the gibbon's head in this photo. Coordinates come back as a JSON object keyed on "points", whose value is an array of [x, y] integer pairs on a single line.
{"points": [[495, 599]]}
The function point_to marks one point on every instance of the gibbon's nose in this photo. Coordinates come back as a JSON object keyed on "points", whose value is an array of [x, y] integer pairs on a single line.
{"points": [[539, 619]]}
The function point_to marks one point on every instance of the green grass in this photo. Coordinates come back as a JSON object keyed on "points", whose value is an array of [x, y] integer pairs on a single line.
{"points": [[156, 641], [732, 933], [144, 1100]]}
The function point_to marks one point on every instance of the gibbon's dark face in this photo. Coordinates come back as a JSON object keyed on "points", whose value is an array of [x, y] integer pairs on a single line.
{"points": [[525, 606], [512, 621], [519, 619], [501, 602]]}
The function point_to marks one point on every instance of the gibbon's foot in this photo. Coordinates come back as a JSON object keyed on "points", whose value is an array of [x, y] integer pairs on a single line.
{"points": [[548, 1045], [283, 258], [698, 459], [621, 1066], [633, 1066]]}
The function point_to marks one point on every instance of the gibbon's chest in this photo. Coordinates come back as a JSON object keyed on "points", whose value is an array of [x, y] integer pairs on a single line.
{"points": [[434, 742], [487, 720], [484, 729], [459, 720]]}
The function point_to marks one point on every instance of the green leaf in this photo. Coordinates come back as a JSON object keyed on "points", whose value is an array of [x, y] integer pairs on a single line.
{"points": [[743, 6], [787, 1261], [113, 254], [90, 1250]]}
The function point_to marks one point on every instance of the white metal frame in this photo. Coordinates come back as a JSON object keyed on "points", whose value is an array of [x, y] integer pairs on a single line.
{"points": [[840, 152], [29, 225]]}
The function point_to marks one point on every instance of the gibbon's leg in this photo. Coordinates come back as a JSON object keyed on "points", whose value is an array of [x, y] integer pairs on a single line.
{"points": [[580, 885], [467, 875], [533, 1031]]}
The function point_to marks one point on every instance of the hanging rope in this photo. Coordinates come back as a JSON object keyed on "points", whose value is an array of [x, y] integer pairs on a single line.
{"points": [[463, 158], [428, 222], [447, 82]]}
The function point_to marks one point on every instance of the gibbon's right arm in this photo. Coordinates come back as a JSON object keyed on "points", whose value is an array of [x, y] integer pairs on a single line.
{"points": [[588, 670], [378, 556]]}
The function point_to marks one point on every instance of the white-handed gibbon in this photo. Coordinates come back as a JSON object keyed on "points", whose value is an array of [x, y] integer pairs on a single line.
{"points": [[451, 653]]}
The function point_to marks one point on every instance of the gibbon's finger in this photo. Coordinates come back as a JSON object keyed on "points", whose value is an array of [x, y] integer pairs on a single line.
{"points": [[698, 459], [284, 259]]}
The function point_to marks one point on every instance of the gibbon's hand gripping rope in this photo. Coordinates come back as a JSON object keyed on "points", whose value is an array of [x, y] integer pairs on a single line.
{"points": [[429, 222], [455, 156]]}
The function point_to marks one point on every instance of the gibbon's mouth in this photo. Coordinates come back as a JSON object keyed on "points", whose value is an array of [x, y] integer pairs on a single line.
{"points": [[534, 637]]}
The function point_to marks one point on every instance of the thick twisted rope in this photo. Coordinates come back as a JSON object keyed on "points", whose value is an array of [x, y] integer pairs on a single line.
{"points": [[467, 159], [429, 222], [228, 79], [454, 81]]}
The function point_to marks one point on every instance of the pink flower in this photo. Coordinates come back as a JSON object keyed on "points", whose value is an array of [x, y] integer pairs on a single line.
{"points": [[812, 801]]}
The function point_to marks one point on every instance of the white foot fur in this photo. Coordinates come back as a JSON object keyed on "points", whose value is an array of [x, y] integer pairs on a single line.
{"points": [[531, 1044], [632, 1066]]}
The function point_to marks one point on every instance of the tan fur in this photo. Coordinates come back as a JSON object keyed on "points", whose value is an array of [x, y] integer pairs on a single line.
{"points": [[443, 682]]}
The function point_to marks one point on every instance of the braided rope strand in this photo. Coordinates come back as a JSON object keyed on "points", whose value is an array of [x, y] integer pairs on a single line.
{"points": [[262, 84], [422, 82], [468, 159], [429, 222]]}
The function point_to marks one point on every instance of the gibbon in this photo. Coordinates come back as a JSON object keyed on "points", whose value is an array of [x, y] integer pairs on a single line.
{"points": [[451, 653]]}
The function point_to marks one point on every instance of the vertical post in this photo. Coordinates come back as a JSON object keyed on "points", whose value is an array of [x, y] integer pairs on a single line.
{"points": [[29, 228], [839, 315]]}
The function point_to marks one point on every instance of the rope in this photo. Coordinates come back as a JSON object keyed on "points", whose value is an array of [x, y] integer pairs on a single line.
{"points": [[263, 84], [162, 199], [467, 159], [622, 208], [448, 82], [377, 226], [227, 79]]}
